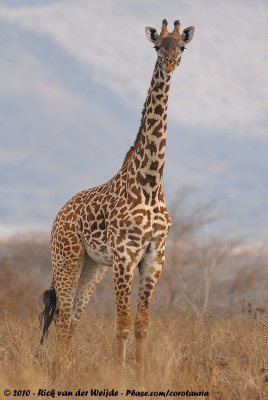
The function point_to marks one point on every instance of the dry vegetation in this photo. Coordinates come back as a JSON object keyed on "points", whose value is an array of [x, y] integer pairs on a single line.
{"points": [[209, 328], [222, 356]]}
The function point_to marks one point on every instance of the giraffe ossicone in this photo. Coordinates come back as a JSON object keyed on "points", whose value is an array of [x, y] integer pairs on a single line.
{"points": [[121, 224]]}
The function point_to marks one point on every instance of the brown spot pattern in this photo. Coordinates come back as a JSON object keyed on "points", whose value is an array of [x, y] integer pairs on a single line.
{"points": [[121, 224]]}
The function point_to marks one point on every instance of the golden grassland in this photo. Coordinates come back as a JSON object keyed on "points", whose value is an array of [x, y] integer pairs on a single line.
{"points": [[227, 357], [209, 326]]}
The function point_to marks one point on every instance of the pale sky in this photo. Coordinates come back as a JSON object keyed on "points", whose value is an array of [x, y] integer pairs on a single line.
{"points": [[73, 79]]}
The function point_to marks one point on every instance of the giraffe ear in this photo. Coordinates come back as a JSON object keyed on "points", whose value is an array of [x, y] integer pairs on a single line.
{"points": [[151, 34], [188, 34]]}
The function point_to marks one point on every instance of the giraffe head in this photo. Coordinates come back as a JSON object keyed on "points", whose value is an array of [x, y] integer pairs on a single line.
{"points": [[169, 46]]}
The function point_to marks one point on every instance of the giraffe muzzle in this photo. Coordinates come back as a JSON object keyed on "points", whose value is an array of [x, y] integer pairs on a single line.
{"points": [[170, 67]]}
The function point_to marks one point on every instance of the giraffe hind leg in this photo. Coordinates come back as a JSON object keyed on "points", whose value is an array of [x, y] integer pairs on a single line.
{"points": [[91, 274], [65, 276]]}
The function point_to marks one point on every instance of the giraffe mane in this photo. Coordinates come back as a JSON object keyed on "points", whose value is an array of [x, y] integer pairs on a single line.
{"points": [[132, 149]]}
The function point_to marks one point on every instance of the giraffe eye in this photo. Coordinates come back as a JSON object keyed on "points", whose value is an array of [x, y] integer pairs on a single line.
{"points": [[183, 48]]}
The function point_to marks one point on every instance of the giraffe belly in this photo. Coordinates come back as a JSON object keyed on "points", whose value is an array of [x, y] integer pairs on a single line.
{"points": [[100, 254]]}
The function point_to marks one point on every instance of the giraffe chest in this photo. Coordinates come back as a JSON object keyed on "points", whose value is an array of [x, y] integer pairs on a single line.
{"points": [[137, 228]]}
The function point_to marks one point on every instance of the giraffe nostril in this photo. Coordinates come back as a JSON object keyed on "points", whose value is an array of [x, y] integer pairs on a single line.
{"points": [[170, 67]]}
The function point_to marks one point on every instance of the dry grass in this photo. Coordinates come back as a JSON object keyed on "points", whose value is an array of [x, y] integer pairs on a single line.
{"points": [[227, 357]]}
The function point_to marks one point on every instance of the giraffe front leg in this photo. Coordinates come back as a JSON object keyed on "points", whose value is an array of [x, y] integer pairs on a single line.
{"points": [[122, 274], [150, 271]]}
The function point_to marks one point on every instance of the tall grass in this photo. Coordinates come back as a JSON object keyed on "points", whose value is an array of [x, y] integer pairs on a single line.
{"points": [[226, 357]]}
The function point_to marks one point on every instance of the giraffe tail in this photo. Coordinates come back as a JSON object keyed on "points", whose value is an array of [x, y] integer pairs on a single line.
{"points": [[49, 300]]}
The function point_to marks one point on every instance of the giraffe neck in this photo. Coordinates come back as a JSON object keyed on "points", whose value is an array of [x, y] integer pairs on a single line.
{"points": [[147, 163]]}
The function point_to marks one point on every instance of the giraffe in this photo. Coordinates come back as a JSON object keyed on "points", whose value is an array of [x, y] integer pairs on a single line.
{"points": [[122, 224]]}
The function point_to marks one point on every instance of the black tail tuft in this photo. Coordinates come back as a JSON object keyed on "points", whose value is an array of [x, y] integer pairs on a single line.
{"points": [[46, 317]]}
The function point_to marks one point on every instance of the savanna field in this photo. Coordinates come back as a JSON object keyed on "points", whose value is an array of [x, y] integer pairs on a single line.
{"points": [[224, 357], [209, 326], [74, 77]]}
